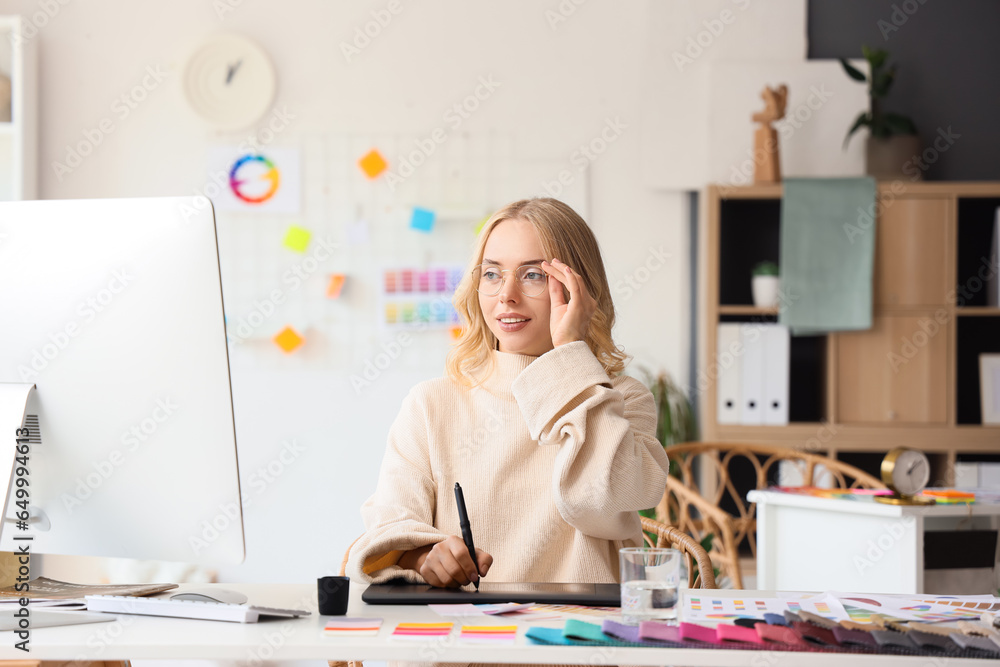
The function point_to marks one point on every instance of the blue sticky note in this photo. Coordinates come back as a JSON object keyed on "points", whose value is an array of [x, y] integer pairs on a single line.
{"points": [[422, 220]]}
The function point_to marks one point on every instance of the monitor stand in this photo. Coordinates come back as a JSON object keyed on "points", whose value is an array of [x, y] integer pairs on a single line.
{"points": [[13, 407]]}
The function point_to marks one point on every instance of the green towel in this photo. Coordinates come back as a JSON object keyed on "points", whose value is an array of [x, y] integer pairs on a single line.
{"points": [[827, 254]]}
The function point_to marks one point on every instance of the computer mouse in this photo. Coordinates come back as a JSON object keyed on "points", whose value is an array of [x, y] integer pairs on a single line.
{"points": [[221, 595]]}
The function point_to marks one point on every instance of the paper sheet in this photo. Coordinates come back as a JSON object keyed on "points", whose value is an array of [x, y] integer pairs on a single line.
{"points": [[703, 606]]}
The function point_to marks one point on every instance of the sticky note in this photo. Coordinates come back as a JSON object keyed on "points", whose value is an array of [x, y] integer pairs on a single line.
{"points": [[422, 630], [456, 333], [357, 232], [335, 285], [481, 224], [297, 238], [488, 634], [422, 220], [352, 627], [288, 340], [372, 164]]}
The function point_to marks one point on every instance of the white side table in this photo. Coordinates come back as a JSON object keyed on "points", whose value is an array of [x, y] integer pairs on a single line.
{"points": [[815, 544]]}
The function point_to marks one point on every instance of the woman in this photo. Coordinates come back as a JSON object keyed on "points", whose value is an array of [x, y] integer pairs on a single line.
{"points": [[554, 448]]}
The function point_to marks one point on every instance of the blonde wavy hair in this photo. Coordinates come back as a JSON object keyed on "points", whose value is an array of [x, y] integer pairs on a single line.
{"points": [[563, 234]]}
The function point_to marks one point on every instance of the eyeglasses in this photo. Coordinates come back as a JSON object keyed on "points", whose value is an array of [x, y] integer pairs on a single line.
{"points": [[531, 280]]}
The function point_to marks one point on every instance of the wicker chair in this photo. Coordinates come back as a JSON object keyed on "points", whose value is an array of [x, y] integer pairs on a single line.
{"points": [[666, 536], [697, 512]]}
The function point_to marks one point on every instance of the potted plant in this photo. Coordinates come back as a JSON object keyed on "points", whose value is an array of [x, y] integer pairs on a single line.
{"points": [[892, 138], [766, 285]]}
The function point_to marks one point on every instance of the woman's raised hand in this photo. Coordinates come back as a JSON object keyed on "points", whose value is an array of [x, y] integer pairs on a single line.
{"points": [[569, 320]]}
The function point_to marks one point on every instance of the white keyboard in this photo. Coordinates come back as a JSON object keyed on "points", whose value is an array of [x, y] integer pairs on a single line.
{"points": [[205, 611]]}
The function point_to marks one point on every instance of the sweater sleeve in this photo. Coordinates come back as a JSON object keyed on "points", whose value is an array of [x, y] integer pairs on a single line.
{"points": [[610, 464], [400, 514]]}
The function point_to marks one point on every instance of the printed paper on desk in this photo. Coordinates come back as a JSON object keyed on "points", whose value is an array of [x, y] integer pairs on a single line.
{"points": [[456, 610], [927, 608], [504, 607], [702, 606]]}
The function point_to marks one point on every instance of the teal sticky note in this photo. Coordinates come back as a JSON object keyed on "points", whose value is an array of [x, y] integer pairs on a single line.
{"points": [[422, 220]]}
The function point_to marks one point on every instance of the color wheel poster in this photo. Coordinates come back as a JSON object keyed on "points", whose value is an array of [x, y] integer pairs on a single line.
{"points": [[269, 181]]}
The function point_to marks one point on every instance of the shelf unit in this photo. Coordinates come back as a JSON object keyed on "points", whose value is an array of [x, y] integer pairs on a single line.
{"points": [[19, 137], [846, 398]]}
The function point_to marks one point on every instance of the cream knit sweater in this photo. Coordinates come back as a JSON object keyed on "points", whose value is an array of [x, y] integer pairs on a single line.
{"points": [[554, 458]]}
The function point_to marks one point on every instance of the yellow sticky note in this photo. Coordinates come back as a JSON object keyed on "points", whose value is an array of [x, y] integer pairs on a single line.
{"points": [[372, 164], [336, 284], [481, 224], [297, 238], [456, 333], [288, 340]]}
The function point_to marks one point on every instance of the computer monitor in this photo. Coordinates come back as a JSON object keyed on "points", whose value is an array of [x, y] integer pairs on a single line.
{"points": [[112, 308]]}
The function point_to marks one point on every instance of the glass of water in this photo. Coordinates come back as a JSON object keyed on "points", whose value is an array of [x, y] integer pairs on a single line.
{"points": [[650, 578]]}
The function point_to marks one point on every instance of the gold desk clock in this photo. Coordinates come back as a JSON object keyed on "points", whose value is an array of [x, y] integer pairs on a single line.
{"points": [[906, 473]]}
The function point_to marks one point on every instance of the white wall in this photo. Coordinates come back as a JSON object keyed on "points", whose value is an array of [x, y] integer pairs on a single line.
{"points": [[559, 86]]}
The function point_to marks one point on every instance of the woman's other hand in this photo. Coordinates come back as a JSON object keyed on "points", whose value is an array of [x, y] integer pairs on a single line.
{"points": [[569, 320], [447, 564]]}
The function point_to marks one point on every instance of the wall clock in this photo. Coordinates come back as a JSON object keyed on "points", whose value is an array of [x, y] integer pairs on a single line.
{"points": [[230, 82]]}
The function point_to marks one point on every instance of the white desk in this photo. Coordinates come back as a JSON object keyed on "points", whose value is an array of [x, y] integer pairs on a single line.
{"points": [[811, 543], [135, 637]]}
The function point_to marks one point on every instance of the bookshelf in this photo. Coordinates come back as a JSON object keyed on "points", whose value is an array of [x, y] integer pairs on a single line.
{"points": [[19, 135], [846, 398]]}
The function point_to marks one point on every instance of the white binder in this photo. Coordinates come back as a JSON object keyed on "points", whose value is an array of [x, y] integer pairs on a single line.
{"points": [[776, 360], [752, 337], [728, 361]]}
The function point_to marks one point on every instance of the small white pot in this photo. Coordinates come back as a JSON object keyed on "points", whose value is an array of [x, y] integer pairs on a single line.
{"points": [[765, 291]]}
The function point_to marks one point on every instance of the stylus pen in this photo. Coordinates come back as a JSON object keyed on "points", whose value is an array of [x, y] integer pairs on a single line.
{"points": [[463, 521]]}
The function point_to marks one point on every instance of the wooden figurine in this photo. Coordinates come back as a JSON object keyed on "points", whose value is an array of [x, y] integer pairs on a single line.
{"points": [[767, 162]]}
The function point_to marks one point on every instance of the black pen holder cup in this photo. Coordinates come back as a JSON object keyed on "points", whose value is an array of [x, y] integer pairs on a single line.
{"points": [[332, 594]]}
